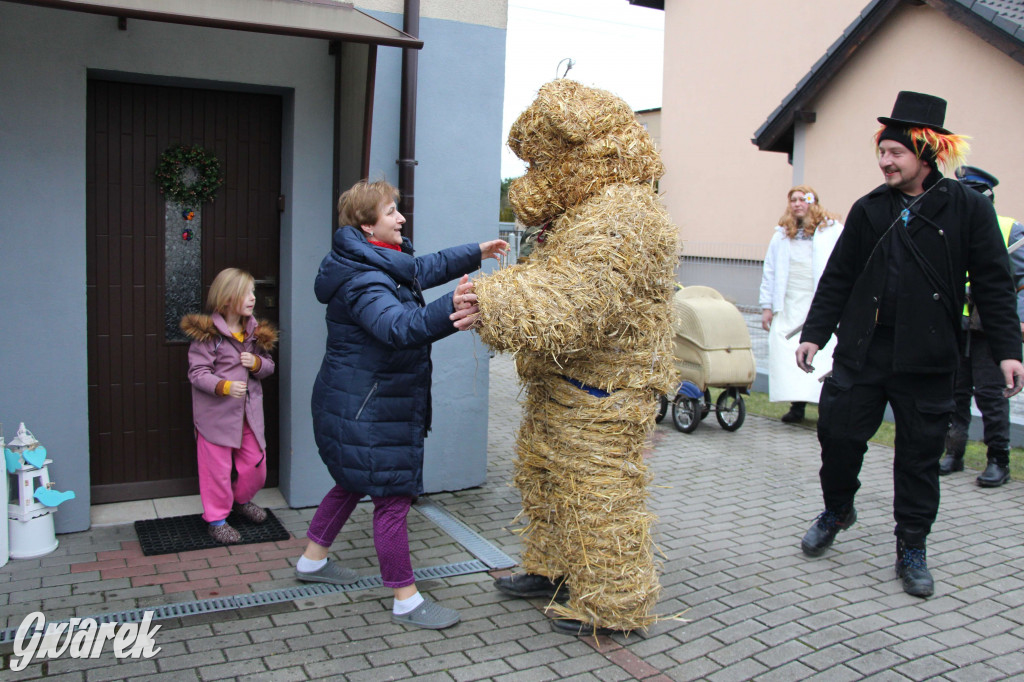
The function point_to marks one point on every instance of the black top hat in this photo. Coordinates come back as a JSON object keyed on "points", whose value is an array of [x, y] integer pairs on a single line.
{"points": [[917, 110], [972, 175]]}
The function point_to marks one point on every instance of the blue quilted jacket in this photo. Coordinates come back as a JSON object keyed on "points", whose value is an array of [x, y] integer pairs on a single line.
{"points": [[371, 399]]}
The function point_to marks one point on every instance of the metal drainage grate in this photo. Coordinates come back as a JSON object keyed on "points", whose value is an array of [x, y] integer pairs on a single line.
{"points": [[241, 601], [474, 543]]}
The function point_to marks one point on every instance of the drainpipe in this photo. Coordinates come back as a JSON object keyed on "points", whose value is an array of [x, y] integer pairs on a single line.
{"points": [[407, 125]]}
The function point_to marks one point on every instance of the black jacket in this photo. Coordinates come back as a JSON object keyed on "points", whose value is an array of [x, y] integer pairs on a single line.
{"points": [[951, 229], [371, 399]]}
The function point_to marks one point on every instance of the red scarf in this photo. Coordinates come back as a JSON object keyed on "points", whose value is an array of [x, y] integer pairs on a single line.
{"points": [[393, 247]]}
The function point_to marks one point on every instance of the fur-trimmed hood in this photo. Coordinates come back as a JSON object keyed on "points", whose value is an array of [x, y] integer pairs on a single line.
{"points": [[207, 327]]}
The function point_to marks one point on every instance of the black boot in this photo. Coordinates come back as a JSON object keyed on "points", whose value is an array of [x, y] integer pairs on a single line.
{"points": [[526, 585], [950, 462], [795, 414], [821, 535], [912, 568], [953, 459], [998, 470]]}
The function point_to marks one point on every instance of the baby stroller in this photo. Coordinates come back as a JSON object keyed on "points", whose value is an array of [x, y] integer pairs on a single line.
{"points": [[712, 349]]}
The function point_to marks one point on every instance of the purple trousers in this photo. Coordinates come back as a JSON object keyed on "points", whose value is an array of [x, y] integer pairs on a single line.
{"points": [[390, 533]]}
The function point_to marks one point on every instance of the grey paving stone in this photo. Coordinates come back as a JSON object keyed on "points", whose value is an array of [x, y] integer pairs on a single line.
{"points": [[538, 674], [978, 672], [337, 667], [745, 669], [295, 674], [219, 642], [123, 670], [480, 671], [924, 668], [233, 669], [167, 663], [829, 657], [874, 662], [794, 670]]}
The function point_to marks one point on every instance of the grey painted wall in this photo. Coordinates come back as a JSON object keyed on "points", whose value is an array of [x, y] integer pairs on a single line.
{"points": [[45, 58]]}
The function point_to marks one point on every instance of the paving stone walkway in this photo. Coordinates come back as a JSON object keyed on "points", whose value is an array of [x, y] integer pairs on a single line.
{"points": [[731, 508]]}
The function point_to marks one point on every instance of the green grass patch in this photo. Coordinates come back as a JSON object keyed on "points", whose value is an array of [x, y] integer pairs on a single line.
{"points": [[974, 457]]}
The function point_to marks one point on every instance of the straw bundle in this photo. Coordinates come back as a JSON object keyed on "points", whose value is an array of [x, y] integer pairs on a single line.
{"points": [[591, 303]]}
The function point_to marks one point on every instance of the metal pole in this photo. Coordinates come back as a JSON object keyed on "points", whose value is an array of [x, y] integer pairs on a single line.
{"points": [[407, 126]]}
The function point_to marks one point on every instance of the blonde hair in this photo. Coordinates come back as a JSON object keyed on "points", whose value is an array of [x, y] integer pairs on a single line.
{"points": [[815, 218], [360, 205], [229, 289]]}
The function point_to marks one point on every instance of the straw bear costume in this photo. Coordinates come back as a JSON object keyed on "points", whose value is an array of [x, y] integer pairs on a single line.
{"points": [[588, 317]]}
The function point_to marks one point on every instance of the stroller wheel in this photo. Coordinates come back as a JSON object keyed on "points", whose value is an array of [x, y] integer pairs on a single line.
{"points": [[662, 409], [686, 413], [730, 410]]}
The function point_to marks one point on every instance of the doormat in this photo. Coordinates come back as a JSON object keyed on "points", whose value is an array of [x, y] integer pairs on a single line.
{"points": [[188, 533]]}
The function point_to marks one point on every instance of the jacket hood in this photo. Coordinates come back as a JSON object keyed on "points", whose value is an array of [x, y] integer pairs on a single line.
{"points": [[351, 254], [207, 327]]}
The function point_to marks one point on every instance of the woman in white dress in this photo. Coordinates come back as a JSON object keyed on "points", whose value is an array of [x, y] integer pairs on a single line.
{"points": [[796, 257]]}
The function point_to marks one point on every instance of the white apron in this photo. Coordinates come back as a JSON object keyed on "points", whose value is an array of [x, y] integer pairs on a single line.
{"points": [[786, 381]]}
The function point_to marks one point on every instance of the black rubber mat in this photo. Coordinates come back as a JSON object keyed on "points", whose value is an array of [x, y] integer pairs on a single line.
{"points": [[187, 533]]}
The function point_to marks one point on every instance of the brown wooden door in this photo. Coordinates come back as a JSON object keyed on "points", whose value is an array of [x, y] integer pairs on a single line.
{"points": [[141, 438]]}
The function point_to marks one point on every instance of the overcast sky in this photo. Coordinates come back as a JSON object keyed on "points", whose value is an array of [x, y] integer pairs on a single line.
{"points": [[615, 46]]}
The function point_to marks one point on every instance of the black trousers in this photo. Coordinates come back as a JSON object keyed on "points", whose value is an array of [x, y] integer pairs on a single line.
{"points": [[851, 410], [979, 375]]}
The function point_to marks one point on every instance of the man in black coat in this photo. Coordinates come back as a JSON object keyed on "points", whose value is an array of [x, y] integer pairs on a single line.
{"points": [[893, 292]]}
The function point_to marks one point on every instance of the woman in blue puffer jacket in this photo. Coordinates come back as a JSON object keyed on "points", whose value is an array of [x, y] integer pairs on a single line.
{"points": [[371, 399]]}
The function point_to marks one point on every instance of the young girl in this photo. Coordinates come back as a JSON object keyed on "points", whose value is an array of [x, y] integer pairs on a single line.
{"points": [[229, 356]]}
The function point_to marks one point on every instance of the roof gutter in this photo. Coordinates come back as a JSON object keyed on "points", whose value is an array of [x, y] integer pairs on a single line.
{"points": [[407, 123]]}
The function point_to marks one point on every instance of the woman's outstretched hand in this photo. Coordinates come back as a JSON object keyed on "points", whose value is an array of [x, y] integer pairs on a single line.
{"points": [[496, 248], [467, 312], [464, 297]]}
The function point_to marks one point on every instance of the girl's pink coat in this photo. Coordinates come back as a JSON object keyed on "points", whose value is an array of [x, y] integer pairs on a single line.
{"points": [[215, 355]]}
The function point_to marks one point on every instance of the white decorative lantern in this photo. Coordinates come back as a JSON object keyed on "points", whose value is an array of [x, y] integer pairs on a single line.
{"points": [[30, 520]]}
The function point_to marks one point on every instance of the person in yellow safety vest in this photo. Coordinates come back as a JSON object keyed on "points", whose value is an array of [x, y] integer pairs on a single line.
{"points": [[979, 374]]}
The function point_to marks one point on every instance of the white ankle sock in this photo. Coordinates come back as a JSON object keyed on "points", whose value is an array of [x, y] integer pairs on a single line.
{"points": [[407, 605], [309, 565]]}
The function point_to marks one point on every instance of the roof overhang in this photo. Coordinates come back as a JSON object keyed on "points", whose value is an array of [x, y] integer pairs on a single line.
{"points": [[653, 4], [324, 19], [777, 133]]}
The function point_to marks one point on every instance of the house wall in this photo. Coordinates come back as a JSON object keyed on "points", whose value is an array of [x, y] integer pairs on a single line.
{"points": [[728, 64], [45, 58], [984, 89], [650, 119], [458, 149]]}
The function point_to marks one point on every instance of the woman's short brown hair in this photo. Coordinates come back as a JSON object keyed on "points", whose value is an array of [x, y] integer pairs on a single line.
{"points": [[229, 288], [361, 204]]}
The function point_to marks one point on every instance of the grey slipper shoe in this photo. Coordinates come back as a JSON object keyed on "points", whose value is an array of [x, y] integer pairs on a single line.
{"points": [[428, 615], [329, 573]]}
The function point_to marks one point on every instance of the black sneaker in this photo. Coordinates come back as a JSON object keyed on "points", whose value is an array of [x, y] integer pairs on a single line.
{"points": [[821, 535], [912, 569], [525, 585]]}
